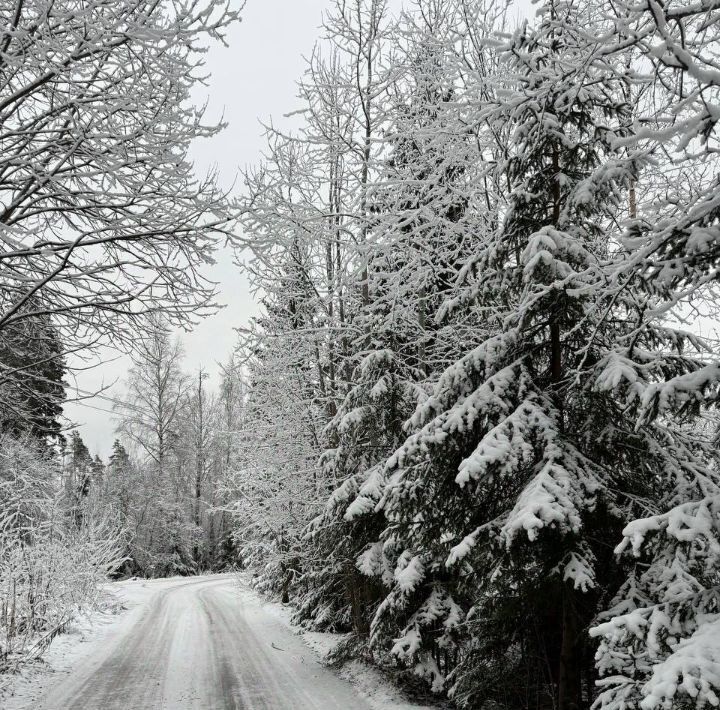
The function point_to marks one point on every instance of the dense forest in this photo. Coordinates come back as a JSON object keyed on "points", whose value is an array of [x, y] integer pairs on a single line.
{"points": [[474, 427]]}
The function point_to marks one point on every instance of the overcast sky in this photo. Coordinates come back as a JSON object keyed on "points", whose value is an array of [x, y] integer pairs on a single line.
{"points": [[252, 79]]}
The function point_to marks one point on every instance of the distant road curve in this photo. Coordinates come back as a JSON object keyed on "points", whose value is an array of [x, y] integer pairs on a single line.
{"points": [[203, 644]]}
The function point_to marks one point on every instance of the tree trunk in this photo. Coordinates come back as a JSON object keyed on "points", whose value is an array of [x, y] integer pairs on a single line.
{"points": [[569, 676], [569, 680], [199, 466]]}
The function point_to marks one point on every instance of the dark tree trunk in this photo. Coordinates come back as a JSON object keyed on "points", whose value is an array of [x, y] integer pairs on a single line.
{"points": [[570, 676]]}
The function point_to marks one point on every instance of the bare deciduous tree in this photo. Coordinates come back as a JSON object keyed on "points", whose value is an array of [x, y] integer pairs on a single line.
{"points": [[156, 392], [102, 220]]}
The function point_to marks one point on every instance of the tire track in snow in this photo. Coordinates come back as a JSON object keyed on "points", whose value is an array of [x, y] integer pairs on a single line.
{"points": [[203, 645]]}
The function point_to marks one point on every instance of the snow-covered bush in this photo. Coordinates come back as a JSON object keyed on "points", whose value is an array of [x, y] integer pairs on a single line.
{"points": [[53, 562]]}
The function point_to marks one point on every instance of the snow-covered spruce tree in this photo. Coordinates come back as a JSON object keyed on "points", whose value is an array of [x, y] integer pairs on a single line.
{"points": [[367, 426], [659, 638], [524, 461], [31, 384], [420, 237]]}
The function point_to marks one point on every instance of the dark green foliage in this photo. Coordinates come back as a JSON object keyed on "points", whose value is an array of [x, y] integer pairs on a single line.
{"points": [[32, 368]]}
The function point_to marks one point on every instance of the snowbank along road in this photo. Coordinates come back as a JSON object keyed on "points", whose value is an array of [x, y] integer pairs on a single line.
{"points": [[201, 643]]}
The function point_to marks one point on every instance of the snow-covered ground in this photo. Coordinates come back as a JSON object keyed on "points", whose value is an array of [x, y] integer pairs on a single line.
{"points": [[199, 643], [368, 681]]}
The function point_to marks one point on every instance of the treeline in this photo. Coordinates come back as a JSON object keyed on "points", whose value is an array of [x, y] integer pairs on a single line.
{"points": [[481, 434], [165, 480]]}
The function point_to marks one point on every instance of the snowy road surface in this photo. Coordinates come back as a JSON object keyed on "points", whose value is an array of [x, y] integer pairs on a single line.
{"points": [[200, 644]]}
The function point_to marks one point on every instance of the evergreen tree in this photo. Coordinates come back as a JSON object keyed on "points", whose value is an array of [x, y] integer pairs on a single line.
{"points": [[524, 458], [368, 424], [32, 389], [97, 474], [659, 636], [81, 465], [417, 244], [78, 476], [120, 480], [119, 458]]}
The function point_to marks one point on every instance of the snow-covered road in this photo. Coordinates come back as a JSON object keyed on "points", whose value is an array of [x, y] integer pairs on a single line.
{"points": [[199, 644]]}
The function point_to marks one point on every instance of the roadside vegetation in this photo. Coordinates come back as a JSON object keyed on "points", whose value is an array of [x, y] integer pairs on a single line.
{"points": [[473, 428]]}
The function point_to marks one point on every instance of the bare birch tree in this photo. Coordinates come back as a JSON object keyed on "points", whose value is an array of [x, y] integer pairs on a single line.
{"points": [[156, 394]]}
